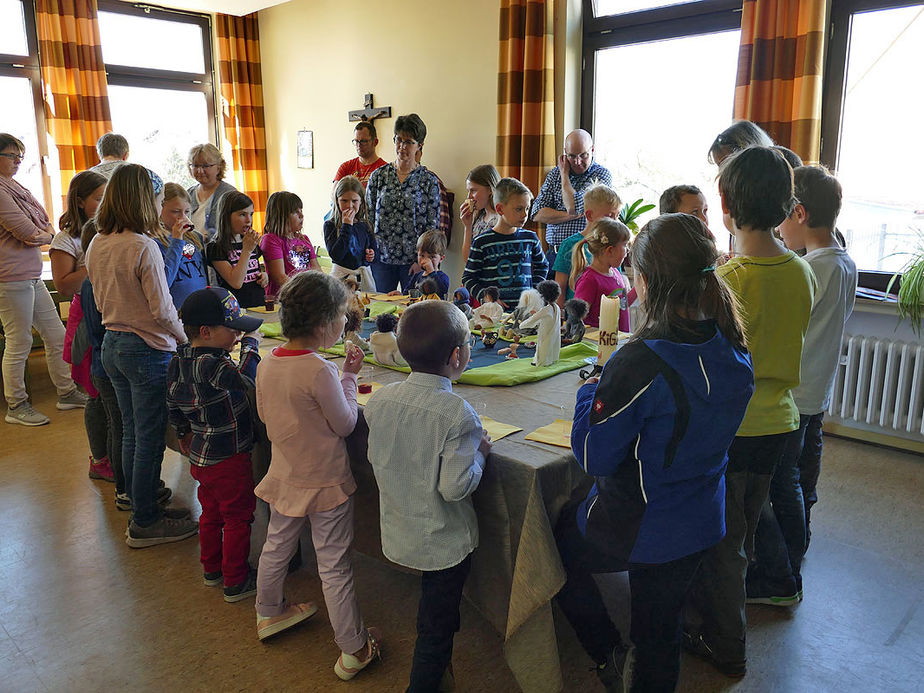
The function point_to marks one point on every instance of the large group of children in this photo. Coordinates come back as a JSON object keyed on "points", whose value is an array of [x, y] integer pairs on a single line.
{"points": [[701, 432]]}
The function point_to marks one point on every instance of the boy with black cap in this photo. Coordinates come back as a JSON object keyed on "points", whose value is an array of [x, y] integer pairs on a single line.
{"points": [[210, 410]]}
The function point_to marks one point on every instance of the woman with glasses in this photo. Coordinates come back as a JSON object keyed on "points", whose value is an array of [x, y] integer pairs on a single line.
{"points": [[207, 166], [403, 199], [367, 159], [24, 300]]}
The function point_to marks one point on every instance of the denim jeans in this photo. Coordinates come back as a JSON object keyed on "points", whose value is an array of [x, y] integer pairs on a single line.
{"points": [[94, 420], [718, 593], [139, 377], [24, 304], [107, 396], [810, 467], [780, 539], [388, 276]]}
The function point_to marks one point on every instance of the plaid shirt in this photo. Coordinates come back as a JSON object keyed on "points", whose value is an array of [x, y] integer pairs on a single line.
{"points": [[550, 197], [207, 395]]}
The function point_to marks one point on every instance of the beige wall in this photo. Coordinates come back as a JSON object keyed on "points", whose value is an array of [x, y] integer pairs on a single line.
{"points": [[438, 59]]}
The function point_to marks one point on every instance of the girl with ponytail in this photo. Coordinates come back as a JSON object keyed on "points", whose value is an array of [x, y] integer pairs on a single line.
{"points": [[655, 432]]}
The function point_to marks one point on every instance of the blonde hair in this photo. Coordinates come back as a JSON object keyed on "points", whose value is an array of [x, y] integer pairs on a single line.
{"points": [[128, 203], [432, 242], [605, 233], [345, 185], [210, 153], [175, 191], [600, 194]]}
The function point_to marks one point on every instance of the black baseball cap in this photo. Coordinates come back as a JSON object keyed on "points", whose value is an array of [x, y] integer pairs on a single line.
{"points": [[216, 306]]}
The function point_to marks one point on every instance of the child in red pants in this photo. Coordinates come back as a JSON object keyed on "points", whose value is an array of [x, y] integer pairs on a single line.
{"points": [[207, 399]]}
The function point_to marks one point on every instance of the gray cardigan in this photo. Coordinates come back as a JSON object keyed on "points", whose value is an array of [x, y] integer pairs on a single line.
{"points": [[222, 188]]}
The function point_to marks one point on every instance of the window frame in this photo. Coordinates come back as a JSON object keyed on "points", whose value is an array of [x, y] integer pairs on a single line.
{"points": [[27, 67], [643, 26], [152, 78]]}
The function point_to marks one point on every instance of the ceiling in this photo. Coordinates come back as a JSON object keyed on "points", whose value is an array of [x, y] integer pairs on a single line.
{"points": [[235, 7]]}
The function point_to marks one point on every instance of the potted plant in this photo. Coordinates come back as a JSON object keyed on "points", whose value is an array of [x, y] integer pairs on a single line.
{"points": [[629, 213], [911, 288]]}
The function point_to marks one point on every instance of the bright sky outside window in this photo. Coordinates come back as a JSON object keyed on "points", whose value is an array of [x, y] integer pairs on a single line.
{"points": [[608, 7], [151, 43], [12, 28]]}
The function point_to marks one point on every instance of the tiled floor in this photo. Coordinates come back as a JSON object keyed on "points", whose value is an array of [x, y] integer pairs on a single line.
{"points": [[80, 611]]}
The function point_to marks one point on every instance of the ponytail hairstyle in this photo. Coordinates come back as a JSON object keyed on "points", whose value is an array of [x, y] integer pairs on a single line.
{"points": [[278, 208], [82, 186], [605, 233], [345, 185], [128, 202], [229, 203], [173, 191], [677, 258]]}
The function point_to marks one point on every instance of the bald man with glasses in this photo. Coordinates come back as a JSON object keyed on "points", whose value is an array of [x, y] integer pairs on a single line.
{"points": [[560, 203], [367, 161]]}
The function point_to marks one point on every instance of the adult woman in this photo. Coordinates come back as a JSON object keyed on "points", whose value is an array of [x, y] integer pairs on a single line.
{"points": [[126, 270], [739, 135], [24, 300], [403, 199], [207, 166], [477, 210]]}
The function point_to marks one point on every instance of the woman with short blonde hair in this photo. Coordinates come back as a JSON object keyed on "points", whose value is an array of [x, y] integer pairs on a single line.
{"points": [[207, 166]]}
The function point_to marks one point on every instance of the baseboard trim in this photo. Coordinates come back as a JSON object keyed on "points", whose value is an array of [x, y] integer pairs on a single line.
{"points": [[842, 431]]}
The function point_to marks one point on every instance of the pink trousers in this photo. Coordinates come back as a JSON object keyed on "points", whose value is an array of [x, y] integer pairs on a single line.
{"points": [[332, 536]]}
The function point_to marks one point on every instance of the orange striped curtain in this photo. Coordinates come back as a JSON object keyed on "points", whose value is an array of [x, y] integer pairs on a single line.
{"points": [[525, 91], [73, 81], [242, 105], [780, 68]]}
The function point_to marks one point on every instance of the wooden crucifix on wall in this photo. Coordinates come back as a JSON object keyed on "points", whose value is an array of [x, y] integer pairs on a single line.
{"points": [[370, 112]]}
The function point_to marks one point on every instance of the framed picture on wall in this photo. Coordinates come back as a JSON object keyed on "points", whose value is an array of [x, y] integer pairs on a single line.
{"points": [[304, 144]]}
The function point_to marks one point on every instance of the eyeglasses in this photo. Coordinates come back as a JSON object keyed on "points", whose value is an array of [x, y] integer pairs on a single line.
{"points": [[404, 143], [356, 143], [201, 167], [15, 157], [470, 343], [584, 156]]}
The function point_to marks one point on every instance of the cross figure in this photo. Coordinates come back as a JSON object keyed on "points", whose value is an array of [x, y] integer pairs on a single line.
{"points": [[370, 113]]}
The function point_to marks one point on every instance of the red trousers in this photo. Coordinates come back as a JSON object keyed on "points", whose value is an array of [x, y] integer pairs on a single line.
{"points": [[227, 500]]}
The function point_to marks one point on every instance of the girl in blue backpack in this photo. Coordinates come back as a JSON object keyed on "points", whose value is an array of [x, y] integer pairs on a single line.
{"points": [[654, 432]]}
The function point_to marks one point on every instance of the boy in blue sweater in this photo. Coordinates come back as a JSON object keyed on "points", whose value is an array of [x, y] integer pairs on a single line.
{"points": [[508, 257]]}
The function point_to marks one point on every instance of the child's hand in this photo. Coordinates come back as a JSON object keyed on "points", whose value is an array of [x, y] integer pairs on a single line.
{"points": [[592, 381], [484, 445], [394, 293], [181, 227], [249, 241], [264, 279], [348, 216], [354, 359], [467, 211], [370, 255], [426, 265], [256, 334], [185, 443]]}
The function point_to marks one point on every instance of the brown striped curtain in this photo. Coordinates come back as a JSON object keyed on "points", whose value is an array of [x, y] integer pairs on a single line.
{"points": [[525, 91], [242, 105], [73, 81], [780, 68]]}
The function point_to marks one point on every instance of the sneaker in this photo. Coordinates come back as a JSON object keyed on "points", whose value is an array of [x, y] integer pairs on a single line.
{"points": [[241, 591], [74, 399], [124, 502], [212, 579], [616, 672], [347, 666], [101, 470], [294, 613], [24, 414], [771, 600], [174, 513], [697, 645], [164, 531], [786, 592]]}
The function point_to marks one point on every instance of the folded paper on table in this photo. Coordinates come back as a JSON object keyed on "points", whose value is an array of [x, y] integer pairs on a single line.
{"points": [[496, 429], [385, 297], [556, 433]]}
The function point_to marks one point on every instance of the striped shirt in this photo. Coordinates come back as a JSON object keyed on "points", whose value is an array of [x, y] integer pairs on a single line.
{"points": [[423, 448], [511, 262]]}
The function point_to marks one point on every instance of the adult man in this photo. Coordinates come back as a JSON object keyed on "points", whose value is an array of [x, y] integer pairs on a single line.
{"points": [[113, 151], [560, 203], [365, 141]]}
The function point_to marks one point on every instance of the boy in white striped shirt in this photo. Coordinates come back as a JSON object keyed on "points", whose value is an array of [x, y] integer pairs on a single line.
{"points": [[428, 449]]}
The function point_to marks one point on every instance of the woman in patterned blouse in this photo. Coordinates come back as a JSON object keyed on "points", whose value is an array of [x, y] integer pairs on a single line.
{"points": [[403, 199]]}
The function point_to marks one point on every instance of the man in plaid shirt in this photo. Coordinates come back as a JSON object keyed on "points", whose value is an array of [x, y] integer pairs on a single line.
{"points": [[209, 407], [560, 203]]}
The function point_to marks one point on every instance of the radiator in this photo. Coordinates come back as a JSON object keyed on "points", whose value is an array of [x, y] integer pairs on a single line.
{"points": [[879, 387]]}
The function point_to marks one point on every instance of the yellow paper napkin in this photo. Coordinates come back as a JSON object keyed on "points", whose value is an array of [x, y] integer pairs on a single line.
{"points": [[496, 429], [363, 398], [556, 433], [385, 297]]}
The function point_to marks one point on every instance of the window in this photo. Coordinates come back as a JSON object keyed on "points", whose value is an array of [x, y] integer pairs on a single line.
{"points": [[604, 8], [661, 87], [871, 128], [158, 65]]}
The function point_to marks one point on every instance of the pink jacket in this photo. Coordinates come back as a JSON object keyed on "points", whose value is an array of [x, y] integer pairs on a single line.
{"points": [[20, 237]]}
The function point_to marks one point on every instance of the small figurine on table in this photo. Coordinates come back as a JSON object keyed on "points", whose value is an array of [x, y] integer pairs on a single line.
{"points": [[548, 322], [489, 339], [429, 289], [357, 301], [511, 351], [575, 312], [460, 299], [384, 342], [351, 331], [530, 302], [489, 312]]}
